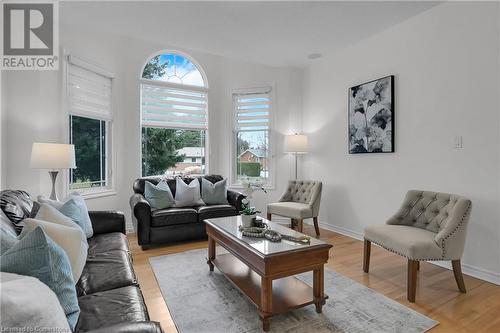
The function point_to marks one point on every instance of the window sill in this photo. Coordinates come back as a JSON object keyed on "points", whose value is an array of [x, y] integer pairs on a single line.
{"points": [[92, 194]]}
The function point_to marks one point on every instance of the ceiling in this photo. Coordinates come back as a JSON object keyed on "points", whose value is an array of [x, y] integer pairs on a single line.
{"points": [[272, 33]]}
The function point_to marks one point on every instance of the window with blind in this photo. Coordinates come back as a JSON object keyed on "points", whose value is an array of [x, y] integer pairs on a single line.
{"points": [[89, 90], [252, 132], [174, 117]]}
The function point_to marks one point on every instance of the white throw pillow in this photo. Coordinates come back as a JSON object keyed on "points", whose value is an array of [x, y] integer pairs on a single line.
{"points": [[28, 305], [187, 195], [71, 239], [74, 207], [53, 203], [49, 213]]}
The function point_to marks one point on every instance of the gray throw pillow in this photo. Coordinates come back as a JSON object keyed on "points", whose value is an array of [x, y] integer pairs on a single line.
{"points": [[187, 195], [159, 196], [8, 235], [214, 194], [28, 305]]}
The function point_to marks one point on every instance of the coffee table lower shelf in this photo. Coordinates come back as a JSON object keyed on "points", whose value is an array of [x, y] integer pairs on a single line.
{"points": [[288, 293]]}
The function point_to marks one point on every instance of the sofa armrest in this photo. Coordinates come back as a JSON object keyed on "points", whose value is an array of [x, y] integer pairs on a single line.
{"points": [[141, 210], [234, 199], [133, 327], [107, 221]]}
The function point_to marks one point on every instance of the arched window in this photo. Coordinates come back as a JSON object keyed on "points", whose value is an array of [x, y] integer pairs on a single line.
{"points": [[174, 116]]}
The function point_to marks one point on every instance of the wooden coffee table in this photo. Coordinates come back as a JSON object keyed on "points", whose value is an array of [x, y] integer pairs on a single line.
{"points": [[263, 270]]}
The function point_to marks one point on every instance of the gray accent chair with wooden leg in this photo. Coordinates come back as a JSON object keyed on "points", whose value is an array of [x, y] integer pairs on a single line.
{"points": [[428, 226], [300, 201]]}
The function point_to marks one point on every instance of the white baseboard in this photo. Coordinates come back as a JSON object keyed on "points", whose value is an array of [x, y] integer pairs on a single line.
{"points": [[477, 272]]}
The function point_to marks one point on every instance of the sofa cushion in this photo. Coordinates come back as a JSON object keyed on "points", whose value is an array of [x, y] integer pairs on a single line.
{"points": [[411, 242], [173, 216], [103, 243], [294, 210], [213, 211], [111, 307], [106, 271]]}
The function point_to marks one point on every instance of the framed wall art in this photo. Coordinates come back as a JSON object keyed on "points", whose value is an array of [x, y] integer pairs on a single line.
{"points": [[371, 117]]}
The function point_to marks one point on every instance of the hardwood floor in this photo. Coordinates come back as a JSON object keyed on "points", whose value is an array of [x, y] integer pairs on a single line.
{"points": [[437, 294]]}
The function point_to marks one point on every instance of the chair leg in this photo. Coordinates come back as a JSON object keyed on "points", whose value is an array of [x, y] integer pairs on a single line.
{"points": [[412, 280], [366, 256], [316, 226], [300, 223], [457, 271], [269, 216]]}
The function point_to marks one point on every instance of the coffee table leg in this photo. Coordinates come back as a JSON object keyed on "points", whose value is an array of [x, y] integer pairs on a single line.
{"points": [[318, 288], [211, 253], [266, 302]]}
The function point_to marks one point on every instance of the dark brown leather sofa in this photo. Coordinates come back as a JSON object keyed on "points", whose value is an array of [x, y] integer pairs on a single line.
{"points": [[164, 226], [109, 296]]}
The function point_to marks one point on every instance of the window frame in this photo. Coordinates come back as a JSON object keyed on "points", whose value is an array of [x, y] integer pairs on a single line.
{"points": [[109, 189], [205, 89], [271, 182]]}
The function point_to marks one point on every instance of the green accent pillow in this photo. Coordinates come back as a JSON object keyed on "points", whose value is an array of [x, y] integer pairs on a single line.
{"points": [[39, 256], [214, 194], [159, 196]]}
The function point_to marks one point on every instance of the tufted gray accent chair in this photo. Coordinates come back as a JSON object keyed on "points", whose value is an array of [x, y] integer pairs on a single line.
{"points": [[300, 201], [428, 226]]}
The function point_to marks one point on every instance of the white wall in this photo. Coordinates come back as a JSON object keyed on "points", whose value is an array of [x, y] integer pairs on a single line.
{"points": [[34, 111], [2, 131], [446, 84]]}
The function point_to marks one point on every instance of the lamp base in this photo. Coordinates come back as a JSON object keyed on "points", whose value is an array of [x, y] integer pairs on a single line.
{"points": [[53, 194]]}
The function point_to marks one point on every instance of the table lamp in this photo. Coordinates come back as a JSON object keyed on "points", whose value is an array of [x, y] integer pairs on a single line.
{"points": [[296, 144], [52, 156]]}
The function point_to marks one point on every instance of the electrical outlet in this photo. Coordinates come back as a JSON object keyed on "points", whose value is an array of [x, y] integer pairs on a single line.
{"points": [[458, 142]]}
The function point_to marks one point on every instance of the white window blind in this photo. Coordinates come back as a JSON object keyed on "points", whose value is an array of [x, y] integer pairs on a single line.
{"points": [[89, 91], [169, 107], [252, 110]]}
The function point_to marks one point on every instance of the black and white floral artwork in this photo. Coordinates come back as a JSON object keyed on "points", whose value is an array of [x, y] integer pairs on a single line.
{"points": [[371, 117]]}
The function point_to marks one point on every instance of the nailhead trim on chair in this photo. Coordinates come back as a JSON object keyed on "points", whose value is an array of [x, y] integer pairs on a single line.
{"points": [[442, 242], [394, 251], [467, 211]]}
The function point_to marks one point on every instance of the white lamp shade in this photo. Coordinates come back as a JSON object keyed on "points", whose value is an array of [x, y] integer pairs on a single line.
{"points": [[52, 156], [296, 143]]}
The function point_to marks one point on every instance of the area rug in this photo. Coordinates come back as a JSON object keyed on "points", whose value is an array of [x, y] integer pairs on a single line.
{"points": [[200, 301]]}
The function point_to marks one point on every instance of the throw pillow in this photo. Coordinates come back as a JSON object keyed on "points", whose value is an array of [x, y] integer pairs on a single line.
{"points": [[187, 195], [17, 205], [39, 256], [28, 305], [51, 214], [53, 203], [71, 239], [75, 208], [214, 193], [8, 234], [159, 196]]}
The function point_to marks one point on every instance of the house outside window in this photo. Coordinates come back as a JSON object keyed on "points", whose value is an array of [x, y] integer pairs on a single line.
{"points": [[89, 96], [174, 119], [253, 114]]}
